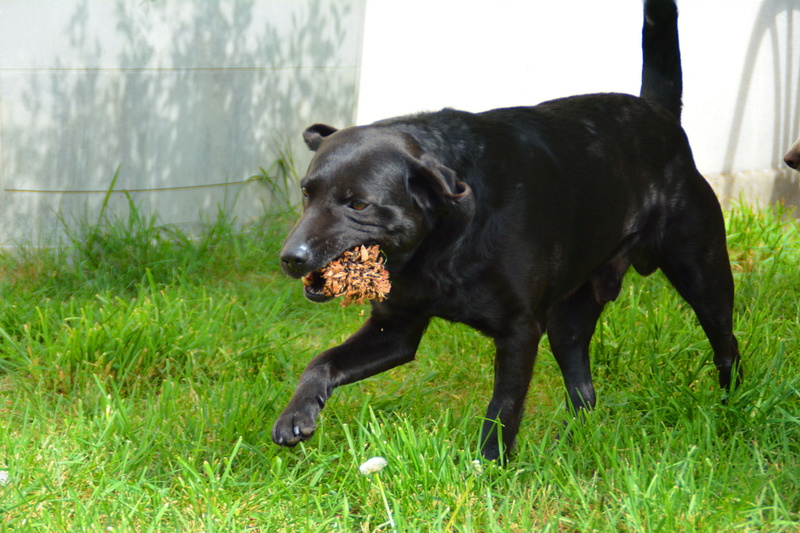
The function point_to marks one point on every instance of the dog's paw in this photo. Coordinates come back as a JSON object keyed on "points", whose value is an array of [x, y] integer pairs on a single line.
{"points": [[293, 426]]}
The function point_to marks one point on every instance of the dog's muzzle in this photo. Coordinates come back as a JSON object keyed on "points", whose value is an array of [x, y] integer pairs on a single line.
{"points": [[295, 261]]}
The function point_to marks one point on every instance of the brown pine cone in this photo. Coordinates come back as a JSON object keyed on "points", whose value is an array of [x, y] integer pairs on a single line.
{"points": [[358, 275]]}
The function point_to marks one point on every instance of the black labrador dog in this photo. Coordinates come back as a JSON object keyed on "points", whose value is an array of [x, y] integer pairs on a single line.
{"points": [[517, 222]]}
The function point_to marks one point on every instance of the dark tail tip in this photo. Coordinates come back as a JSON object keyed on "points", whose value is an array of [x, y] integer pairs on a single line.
{"points": [[662, 79]]}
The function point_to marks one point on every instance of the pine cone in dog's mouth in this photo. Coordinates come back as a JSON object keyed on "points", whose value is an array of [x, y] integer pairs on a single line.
{"points": [[358, 275]]}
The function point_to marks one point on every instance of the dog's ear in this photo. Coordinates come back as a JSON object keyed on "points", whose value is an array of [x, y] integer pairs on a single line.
{"points": [[436, 188], [316, 133]]}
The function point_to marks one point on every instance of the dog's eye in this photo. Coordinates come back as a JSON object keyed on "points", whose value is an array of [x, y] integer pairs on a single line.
{"points": [[358, 205], [304, 191]]}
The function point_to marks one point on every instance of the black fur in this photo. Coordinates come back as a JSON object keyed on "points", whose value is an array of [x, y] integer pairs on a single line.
{"points": [[517, 222], [662, 79]]}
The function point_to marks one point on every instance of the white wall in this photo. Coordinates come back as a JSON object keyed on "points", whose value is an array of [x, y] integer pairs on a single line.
{"points": [[186, 93], [741, 62], [179, 93]]}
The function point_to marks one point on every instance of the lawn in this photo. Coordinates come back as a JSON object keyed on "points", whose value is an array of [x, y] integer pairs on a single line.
{"points": [[141, 371]]}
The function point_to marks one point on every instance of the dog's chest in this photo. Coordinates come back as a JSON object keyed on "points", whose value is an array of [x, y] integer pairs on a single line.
{"points": [[482, 303]]}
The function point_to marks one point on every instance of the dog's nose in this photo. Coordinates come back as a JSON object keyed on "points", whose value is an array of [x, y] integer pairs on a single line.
{"points": [[792, 159], [294, 260]]}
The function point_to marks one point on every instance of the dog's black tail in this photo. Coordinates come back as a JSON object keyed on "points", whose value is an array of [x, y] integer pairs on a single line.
{"points": [[662, 79]]}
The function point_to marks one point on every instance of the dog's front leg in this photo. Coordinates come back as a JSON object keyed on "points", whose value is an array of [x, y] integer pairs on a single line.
{"points": [[380, 344], [514, 360]]}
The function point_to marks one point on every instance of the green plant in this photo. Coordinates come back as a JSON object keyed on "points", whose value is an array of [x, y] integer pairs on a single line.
{"points": [[146, 405], [282, 180]]}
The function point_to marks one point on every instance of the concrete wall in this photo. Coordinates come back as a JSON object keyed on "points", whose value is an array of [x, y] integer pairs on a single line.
{"points": [[741, 62], [180, 95]]}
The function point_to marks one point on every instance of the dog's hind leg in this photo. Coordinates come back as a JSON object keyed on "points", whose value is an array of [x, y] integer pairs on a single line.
{"points": [[514, 360], [710, 293], [694, 257], [570, 326]]}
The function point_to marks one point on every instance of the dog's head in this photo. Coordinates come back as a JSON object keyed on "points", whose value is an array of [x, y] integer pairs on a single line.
{"points": [[792, 157], [368, 185]]}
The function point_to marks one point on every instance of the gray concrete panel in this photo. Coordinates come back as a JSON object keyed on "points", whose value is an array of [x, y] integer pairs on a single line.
{"points": [[180, 96]]}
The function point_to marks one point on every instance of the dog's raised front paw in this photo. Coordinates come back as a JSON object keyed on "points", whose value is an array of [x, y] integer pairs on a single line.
{"points": [[294, 425]]}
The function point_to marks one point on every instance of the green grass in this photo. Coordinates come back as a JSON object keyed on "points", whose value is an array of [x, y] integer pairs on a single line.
{"points": [[141, 371]]}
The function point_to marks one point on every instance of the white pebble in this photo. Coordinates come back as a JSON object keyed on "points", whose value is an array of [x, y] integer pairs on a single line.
{"points": [[3, 477], [372, 465]]}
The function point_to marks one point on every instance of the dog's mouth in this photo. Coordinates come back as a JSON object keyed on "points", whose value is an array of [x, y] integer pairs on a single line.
{"points": [[313, 287], [358, 274]]}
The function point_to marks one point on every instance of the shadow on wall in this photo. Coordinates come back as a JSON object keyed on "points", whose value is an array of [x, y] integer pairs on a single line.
{"points": [[183, 96], [775, 17]]}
